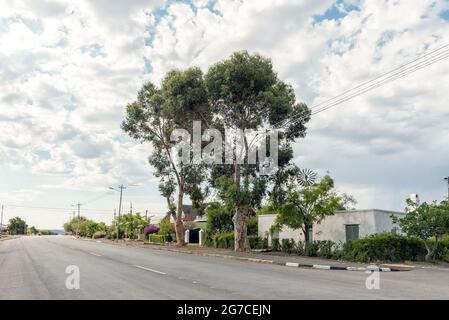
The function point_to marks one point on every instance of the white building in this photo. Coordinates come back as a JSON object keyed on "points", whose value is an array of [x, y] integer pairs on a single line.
{"points": [[343, 226]]}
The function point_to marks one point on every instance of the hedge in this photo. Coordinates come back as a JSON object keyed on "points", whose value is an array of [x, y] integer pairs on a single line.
{"points": [[223, 240], [380, 247], [226, 240], [256, 242], [156, 238], [384, 247]]}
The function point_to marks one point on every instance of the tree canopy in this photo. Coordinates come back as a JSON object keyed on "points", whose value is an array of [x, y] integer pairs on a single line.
{"points": [[17, 226], [299, 207], [427, 221], [242, 93]]}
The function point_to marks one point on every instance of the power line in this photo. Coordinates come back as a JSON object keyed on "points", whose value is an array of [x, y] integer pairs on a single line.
{"points": [[381, 76], [393, 75]]}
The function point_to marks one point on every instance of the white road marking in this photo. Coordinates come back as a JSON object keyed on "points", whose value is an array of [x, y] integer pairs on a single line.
{"points": [[151, 270], [95, 254], [292, 264], [318, 266]]}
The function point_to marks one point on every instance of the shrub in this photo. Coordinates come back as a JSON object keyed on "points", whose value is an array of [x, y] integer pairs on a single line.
{"points": [[151, 229], [442, 251], [99, 235], [219, 218], [384, 247], [311, 249], [166, 227], [275, 245], [223, 240], [253, 226], [287, 245], [156, 238], [299, 248], [256, 242], [325, 249]]}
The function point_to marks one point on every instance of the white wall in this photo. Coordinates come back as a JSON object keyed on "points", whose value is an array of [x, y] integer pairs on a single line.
{"points": [[333, 227]]}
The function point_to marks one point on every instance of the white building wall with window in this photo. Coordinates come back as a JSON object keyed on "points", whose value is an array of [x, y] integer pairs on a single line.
{"points": [[353, 223]]}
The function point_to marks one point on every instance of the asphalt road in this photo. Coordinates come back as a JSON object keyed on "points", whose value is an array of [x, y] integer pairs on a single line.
{"points": [[35, 268]]}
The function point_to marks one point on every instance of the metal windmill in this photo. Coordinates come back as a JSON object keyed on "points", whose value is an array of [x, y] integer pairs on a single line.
{"points": [[307, 177]]}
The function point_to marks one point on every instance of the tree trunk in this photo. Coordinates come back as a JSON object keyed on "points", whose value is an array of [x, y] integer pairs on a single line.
{"points": [[241, 242], [430, 251], [179, 227], [306, 233]]}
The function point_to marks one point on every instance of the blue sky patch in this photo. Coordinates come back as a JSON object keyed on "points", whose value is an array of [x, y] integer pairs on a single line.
{"points": [[43, 154], [445, 15], [339, 10]]}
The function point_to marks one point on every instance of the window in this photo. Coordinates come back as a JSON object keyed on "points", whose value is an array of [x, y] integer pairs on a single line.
{"points": [[352, 232]]}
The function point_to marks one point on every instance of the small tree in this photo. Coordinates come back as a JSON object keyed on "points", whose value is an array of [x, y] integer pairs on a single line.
{"points": [[428, 222], [17, 226], [300, 207]]}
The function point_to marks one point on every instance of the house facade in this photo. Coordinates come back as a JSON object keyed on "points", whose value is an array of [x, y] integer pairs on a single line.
{"points": [[4, 229], [341, 227]]}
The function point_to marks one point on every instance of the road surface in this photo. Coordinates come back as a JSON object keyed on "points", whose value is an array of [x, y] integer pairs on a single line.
{"points": [[35, 268]]}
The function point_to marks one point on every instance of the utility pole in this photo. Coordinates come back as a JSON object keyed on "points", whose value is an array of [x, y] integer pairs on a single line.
{"points": [[119, 188], [131, 208], [146, 215], [447, 179]]}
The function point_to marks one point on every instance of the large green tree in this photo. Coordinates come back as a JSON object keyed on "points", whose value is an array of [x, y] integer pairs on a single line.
{"points": [[245, 93], [428, 222], [17, 226], [154, 117], [300, 207]]}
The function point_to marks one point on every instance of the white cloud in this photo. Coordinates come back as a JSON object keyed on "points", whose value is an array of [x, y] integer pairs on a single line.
{"points": [[67, 69]]}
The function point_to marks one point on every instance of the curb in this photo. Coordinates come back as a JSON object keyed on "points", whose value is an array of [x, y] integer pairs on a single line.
{"points": [[341, 268], [288, 264]]}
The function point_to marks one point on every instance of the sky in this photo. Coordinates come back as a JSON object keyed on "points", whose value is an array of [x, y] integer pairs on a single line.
{"points": [[68, 69]]}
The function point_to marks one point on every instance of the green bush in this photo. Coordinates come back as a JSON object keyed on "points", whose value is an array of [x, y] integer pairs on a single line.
{"points": [[223, 240], [299, 248], [442, 252], [311, 249], [275, 245], [384, 247], [253, 226], [157, 238], [256, 242], [325, 249], [288, 245]]}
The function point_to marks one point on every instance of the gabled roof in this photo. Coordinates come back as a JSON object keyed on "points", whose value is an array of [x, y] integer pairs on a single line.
{"points": [[188, 213]]}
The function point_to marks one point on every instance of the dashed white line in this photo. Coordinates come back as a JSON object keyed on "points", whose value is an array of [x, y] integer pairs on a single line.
{"points": [[151, 270]]}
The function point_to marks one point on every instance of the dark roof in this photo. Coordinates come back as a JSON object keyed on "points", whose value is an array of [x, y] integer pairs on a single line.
{"points": [[189, 213]]}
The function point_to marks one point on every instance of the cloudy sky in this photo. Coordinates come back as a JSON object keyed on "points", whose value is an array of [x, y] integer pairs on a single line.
{"points": [[68, 68]]}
